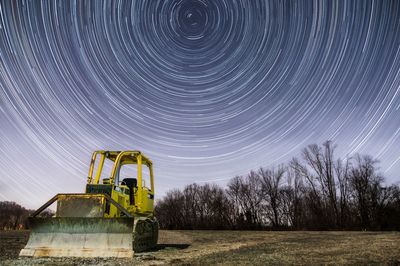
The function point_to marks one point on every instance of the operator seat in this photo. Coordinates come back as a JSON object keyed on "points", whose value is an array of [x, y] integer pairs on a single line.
{"points": [[131, 183]]}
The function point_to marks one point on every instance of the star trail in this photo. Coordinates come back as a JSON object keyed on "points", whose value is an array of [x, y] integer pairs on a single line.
{"points": [[208, 89]]}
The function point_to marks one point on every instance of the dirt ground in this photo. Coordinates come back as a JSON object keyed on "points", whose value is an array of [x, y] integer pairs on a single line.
{"points": [[237, 247]]}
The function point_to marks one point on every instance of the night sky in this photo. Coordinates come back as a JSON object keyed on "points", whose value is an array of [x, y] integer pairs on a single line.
{"points": [[208, 89]]}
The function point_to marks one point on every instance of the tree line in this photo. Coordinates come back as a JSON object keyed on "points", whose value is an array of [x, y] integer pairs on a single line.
{"points": [[313, 192], [15, 217], [12, 216]]}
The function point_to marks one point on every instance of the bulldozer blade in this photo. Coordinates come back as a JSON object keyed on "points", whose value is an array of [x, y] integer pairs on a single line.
{"points": [[79, 237]]}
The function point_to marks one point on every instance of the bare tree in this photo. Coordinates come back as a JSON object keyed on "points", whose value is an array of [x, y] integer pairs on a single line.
{"points": [[271, 181], [367, 189], [190, 208], [233, 192], [248, 194], [342, 170], [293, 198], [321, 161], [169, 210], [313, 214]]}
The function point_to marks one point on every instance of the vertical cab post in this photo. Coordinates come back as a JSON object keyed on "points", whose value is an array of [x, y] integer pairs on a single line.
{"points": [[151, 177], [115, 168], [140, 182], [100, 167], [91, 168]]}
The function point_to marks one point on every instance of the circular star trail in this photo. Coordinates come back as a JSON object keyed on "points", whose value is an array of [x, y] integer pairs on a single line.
{"points": [[207, 89]]}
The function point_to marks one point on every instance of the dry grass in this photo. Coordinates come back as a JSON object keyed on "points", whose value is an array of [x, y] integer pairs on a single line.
{"points": [[310, 248], [242, 248]]}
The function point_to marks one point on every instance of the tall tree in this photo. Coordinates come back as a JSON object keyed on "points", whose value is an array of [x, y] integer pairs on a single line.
{"points": [[271, 182], [367, 189]]}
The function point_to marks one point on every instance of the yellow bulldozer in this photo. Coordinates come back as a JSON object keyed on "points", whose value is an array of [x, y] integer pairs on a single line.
{"points": [[113, 218]]}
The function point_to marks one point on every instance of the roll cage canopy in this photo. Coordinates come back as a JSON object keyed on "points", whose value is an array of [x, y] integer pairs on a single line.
{"points": [[119, 158]]}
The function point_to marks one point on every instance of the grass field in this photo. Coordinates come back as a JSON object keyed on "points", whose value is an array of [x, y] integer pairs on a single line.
{"points": [[240, 248]]}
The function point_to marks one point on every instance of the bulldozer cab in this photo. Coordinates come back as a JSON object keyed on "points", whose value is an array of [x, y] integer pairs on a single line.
{"points": [[124, 180]]}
